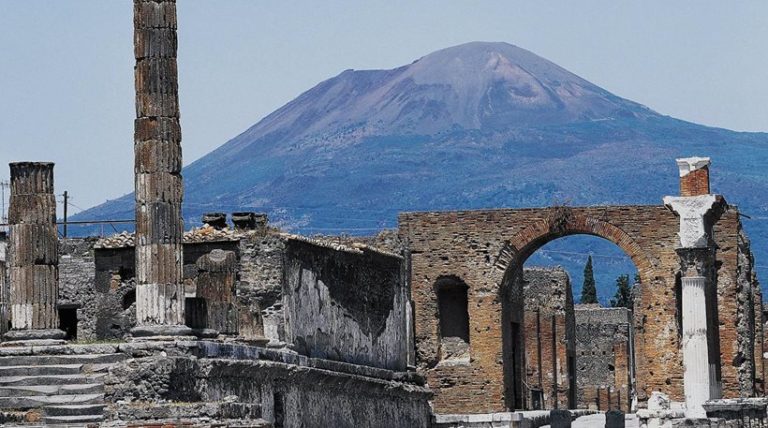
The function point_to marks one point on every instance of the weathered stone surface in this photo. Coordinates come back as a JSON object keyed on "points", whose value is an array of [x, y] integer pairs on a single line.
{"points": [[159, 187], [33, 248], [34, 244], [603, 357], [31, 178], [33, 209], [347, 306], [287, 394], [216, 285], [549, 339]]}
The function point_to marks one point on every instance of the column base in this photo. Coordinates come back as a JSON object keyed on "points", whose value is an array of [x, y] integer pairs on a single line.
{"points": [[163, 332]]}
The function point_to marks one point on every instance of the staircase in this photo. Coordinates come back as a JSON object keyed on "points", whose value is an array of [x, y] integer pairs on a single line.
{"points": [[65, 389]]}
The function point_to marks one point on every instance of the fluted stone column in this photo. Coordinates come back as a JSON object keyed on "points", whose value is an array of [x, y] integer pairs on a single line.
{"points": [[33, 253], [159, 187], [696, 377], [697, 254]]}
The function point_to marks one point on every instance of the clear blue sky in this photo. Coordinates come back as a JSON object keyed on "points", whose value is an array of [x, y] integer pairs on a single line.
{"points": [[66, 66]]}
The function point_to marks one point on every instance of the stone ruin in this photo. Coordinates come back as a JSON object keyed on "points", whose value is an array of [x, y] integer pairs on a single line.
{"points": [[436, 324]]}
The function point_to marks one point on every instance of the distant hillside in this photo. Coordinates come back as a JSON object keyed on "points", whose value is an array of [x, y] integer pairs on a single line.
{"points": [[473, 126]]}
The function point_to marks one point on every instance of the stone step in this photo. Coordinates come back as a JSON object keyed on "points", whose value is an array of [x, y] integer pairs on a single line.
{"points": [[74, 420], [49, 360], [19, 391], [51, 380], [74, 410], [41, 370], [38, 401]]}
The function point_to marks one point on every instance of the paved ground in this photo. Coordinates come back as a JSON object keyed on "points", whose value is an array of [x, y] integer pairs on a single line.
{"points": [[598, 421]]}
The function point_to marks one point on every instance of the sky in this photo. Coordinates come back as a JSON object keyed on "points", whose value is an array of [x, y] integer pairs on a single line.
{"points": [[66, 66]]}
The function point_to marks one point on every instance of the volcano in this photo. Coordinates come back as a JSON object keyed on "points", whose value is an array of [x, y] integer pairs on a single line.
{"points": [[480, 125]]}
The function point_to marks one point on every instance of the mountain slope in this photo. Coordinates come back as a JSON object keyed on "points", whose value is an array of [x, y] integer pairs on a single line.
{"points": [[473, 126]]}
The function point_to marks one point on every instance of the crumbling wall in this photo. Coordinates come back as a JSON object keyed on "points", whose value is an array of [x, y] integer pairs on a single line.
{"points": [[284, 394], [549, 337], [259, 287], [603, 357], [346, 305], [77, 274], [100, 282]]}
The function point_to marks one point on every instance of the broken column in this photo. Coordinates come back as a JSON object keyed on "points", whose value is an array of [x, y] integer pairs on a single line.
{"points": [[159, 187], [217, 272], [696, 208], [33, 253]]}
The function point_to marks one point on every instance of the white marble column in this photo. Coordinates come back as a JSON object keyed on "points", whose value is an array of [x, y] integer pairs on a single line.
{"points": [[696, 377]]}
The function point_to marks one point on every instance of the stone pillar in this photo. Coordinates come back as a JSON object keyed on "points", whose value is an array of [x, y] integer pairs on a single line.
{"points": [[696, 249], [33, 253], [4, 292], [159, 187]]}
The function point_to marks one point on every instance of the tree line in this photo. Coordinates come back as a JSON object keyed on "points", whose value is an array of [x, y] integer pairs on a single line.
{"points": [[623, 298]]}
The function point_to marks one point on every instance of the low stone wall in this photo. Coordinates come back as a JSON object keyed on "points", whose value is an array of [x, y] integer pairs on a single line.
{"points": [[302, 392]]}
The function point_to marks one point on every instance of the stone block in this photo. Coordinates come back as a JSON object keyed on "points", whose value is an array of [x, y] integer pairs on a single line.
{"points": [[614, 419], [560, 418]]}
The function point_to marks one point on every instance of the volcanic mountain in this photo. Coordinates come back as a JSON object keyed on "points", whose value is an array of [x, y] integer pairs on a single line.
{"points": [[472, 126]]}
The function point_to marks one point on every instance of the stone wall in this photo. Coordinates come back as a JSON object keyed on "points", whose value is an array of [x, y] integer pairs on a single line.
{"points": [[260, 286], [283, 393], [603, 357], [77, 280], [550, 348], [346, 305], [486, 248]]}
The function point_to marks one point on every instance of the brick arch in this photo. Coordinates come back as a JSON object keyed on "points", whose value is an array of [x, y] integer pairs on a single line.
{"points": [[482, 247], [524, 243]]}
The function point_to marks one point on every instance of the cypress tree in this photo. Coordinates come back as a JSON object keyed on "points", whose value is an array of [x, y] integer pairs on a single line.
{"points": [[588, 290], [623, 297]]}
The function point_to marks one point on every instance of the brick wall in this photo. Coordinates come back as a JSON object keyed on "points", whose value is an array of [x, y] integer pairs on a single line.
{"points": [[487, 248], [549, 338], [695, 183]]}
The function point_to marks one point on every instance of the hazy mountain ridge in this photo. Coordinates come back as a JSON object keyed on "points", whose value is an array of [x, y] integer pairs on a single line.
{"points": [[474, 126]]}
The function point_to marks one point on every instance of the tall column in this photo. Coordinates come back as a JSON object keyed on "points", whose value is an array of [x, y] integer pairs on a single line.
{"points": [[33, 253], [697, 254], [159, 187]]}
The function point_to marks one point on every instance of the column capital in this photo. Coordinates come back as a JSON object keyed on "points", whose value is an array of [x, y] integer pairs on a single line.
{"points": [[688, 165], [693, 212]]}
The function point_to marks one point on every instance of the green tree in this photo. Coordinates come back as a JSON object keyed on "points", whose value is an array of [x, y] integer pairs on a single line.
{"points": [[588, 290], [623, 297]]}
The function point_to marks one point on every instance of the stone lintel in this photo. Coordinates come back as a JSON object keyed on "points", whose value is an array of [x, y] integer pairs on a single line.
{"points": [[693, 211], [688, 165]]}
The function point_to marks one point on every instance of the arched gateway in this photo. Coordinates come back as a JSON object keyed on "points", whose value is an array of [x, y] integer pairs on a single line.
{"points": [[486, 249]]}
